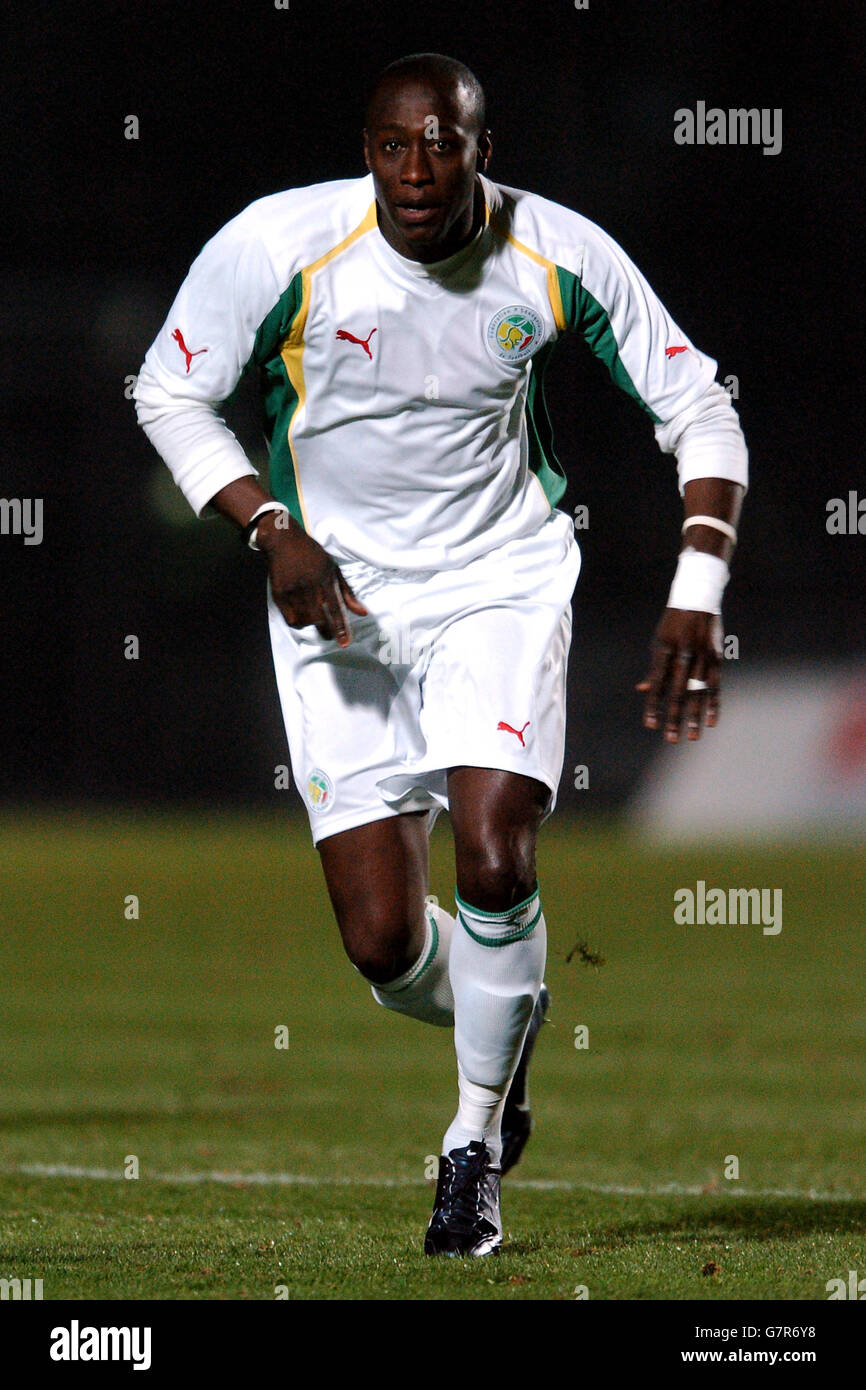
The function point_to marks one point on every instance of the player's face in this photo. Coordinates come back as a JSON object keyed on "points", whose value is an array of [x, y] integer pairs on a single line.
{"points": [[423, 152]]}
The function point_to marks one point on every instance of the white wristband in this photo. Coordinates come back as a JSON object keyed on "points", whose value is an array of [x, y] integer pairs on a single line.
{"points": [[261, 511], [715, 522], [699, 582]]}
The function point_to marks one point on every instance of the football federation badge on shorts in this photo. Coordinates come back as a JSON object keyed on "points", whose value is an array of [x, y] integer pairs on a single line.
{"points": [[320, 791], [515, 333]]}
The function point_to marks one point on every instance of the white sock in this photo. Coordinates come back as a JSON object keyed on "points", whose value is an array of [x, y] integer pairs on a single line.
{"points": [[424, 992], [497, 966]]}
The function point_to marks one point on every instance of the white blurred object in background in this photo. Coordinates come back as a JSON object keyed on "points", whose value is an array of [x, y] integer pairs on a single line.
{"points": [[788, 757]]}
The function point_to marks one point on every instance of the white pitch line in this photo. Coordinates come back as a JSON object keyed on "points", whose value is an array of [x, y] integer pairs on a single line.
{"points": [[673, 1189]]}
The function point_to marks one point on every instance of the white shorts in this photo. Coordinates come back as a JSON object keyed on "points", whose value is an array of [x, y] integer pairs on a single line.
{"points": [[451, 668]]}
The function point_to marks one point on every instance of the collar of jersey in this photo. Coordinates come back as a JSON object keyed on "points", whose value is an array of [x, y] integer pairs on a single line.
{"points": [[434, 270]]}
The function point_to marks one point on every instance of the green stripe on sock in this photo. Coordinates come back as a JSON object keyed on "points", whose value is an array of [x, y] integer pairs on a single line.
{"points": [[501, 940], [493, 916], [434, 947]]}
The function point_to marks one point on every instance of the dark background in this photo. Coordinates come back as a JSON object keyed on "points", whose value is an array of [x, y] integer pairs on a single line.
{"points": [[755, 256]]}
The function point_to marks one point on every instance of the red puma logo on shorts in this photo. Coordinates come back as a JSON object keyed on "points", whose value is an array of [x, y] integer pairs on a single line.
{"points": [[672, 351], [347, 337], [517, 732], [178, 338]]}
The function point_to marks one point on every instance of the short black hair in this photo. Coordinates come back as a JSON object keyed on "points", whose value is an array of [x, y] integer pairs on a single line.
{"points": [[437, 65]]}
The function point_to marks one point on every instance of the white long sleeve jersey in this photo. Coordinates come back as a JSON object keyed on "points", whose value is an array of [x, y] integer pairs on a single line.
{"points": [[404, 403]]}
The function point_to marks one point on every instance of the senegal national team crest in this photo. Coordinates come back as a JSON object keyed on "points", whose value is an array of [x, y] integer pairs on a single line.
{"points": [[515, 333], [320, 791]]}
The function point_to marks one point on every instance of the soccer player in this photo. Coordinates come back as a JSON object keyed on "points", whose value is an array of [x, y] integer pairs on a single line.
{"points": [[420, 573]]}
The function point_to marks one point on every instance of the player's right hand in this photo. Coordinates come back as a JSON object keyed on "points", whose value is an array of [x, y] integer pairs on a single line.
{"points": [[306, 583]]}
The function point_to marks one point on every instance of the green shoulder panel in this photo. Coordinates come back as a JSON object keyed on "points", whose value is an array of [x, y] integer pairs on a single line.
{"points": [[542, 459], [586, 316], [278, 395]]}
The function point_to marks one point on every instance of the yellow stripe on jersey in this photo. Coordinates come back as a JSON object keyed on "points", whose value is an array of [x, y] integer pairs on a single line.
{"points": [[553, 292], [292, 350]]}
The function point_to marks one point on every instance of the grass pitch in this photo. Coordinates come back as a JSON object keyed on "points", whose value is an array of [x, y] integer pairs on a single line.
{"points": [[301, 1171]]}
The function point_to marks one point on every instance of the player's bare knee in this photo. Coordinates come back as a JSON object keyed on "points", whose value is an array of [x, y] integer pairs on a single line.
{"points": [[381, 964], [381, 949], [496, 866]]}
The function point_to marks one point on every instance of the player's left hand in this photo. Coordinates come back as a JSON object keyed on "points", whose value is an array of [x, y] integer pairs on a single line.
{"points": [[687, 647]]}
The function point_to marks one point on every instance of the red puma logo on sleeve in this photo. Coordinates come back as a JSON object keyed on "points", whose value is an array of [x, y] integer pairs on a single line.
{"points": [[517, 732], [672, 351], [178, 338], [347, 337]]}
